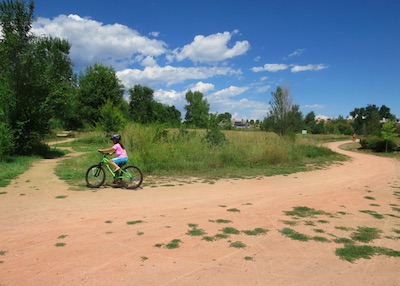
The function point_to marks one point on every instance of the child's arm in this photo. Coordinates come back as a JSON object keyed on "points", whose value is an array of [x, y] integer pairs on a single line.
{"points": [[107, 150]]}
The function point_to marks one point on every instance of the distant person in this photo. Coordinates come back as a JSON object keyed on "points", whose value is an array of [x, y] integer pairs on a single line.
{"points": [[354, 137], [119, 150]]}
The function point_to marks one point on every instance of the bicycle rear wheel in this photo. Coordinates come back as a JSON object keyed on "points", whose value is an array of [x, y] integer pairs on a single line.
{"points": [[132, 177], [95, 176]]}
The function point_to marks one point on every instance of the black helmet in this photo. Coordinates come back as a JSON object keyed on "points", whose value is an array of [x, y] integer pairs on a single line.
{"points": [[116, 137]]}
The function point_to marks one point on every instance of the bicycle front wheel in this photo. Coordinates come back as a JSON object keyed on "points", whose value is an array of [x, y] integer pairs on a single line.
{"points": [[131, 177], [95, 176]]}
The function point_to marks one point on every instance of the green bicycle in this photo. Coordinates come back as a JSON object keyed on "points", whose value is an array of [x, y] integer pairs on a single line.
{"points": [[128, 177]]}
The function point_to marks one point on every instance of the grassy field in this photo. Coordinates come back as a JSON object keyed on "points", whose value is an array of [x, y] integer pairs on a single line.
{"points": [[185, 153]]}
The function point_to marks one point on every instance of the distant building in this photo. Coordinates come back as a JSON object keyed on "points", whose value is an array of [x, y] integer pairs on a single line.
{"points": [[240, 124]]}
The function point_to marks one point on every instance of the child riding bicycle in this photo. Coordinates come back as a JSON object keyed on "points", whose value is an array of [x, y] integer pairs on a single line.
{"points": [[119, 150]]}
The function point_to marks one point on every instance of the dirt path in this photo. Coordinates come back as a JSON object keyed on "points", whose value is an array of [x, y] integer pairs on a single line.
{"points": [[101, 248]]}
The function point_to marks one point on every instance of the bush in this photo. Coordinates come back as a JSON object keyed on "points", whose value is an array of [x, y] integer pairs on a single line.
{"points": [[377, 144]]}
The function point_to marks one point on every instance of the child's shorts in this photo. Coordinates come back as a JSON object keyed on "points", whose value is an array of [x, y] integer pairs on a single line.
{"points": [[120, 160]]}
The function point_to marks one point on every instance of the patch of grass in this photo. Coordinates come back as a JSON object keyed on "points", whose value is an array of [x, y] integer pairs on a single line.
{"points": [[309, 223], [196, 232], [320, 239], [304, 211], [248, 258], [192, 225], [294, 234], [323, 221], [233, 210], [396, 209], [175, 243], [60, 244], [369, 198], [290, 222], [3, 252], [208, 238], [366, 234], [223, 221], [61, 197], [256, 231], [108, 221], [3, 193], [158, 245], [221, 236], [373, 213], [343, 240], [375, 205], [342, 213], [143, 258], [62, 236], [318, 230], [139, 233], [14, 166], [230, 230], [344, 228], [238, 244], [132, 222], [351, 252]]}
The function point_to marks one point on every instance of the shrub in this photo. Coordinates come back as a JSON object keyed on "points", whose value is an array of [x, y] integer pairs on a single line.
{"points": [[377, 144]]}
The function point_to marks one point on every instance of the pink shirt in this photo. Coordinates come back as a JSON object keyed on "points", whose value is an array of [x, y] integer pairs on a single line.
{"points": [[121, 153]]}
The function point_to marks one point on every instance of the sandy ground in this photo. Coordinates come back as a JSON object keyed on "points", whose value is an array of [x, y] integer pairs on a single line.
{"points": [[101, 248]]}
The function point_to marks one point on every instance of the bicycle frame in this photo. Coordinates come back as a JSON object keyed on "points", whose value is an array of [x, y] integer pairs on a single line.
{"points": [[105, 162]]}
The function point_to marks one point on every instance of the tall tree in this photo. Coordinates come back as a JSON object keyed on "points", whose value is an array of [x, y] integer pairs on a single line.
{"points": [[285, 116], [141, 104], [98, 85], [166, 114], [388, 133], [197, 109], [32, 69]]}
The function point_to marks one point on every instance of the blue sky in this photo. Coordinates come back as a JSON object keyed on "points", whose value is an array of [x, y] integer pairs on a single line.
{"points": [[334, 55]]}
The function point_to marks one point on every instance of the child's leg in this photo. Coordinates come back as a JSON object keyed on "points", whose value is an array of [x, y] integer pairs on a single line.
{"points": [[114, 164]]}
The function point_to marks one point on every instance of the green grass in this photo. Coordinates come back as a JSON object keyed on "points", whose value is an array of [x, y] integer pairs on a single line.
{"points": [[61, 197], [373, 213], [175, 243], [132, 222], [351, 252], [303, 211], [294, 234], [366, 234], [12, 167], [238, 244], [60, 244], [230, 230], [256, 231], [196, 232]]}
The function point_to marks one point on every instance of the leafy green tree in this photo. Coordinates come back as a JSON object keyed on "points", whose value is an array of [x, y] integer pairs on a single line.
{"points": [[309, 121], [285, 117], [214, 136], [32, 69], [388, 132], [367, 119], [141, 104], [98, 85], [112, 118], [225, 119], [166, 114], [197, 109]]}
